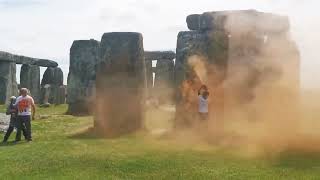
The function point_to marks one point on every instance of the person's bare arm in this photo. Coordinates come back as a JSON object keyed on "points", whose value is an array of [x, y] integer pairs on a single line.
{"points": [[33, 109]]}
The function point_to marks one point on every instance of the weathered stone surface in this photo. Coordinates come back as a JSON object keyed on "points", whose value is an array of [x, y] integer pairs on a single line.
{"points": [[5, 56], [52, 76], [53, 94], [189, 43], [48, 76], [211, 46], [51, 81], [248, 20], [8, 83], [120, 83], [164, 81], [58, 76], [60, 95], [164, 73], [30, 78], [82, 73], [202, 57], [155, 55], [193, 22]]}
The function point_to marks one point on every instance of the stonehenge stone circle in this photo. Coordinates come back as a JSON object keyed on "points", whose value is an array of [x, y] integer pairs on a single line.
{"points": [[29, 76], [240, 51], [120, 83]]}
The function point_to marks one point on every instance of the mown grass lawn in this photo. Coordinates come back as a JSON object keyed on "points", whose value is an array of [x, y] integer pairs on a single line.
{"points": [[62, 150]]}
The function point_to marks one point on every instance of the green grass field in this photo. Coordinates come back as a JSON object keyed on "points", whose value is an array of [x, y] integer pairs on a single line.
{"points": [[63, 150]]}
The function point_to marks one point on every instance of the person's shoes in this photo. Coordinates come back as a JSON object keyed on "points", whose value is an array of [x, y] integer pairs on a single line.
{"points": [[16, 141], [4, 142], [29, 140]]}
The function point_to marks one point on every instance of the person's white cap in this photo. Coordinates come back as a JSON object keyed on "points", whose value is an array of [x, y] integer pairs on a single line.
{"points": [[13, 97]]}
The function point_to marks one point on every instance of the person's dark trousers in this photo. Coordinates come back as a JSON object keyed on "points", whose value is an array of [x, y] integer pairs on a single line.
{"points": [[10, 130], [24, 122], [8, 133]]}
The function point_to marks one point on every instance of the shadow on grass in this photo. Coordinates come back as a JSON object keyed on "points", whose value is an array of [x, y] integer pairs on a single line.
{"points": [[90, 133], [298, 160], [11, 143], [93, 133]]}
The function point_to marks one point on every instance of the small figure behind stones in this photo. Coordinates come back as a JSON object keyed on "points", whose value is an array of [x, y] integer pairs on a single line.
{"points": [[203, 103]]}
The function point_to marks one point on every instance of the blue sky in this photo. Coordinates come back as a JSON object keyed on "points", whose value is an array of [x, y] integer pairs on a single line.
{"points": [[47, 28]]}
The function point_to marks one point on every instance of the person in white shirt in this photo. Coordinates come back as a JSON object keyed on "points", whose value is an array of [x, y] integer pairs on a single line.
{"points": [[203, 104], [26, 108]]}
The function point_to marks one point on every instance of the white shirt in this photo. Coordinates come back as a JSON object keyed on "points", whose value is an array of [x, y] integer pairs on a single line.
{"points": [[24, 105], [203, 105]]}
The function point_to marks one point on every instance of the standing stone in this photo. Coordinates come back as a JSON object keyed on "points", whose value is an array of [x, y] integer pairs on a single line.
{"points": [[8, 83], [120, 83], [58, 76], [54, 78], [46, 94], [201, 59], [82, 73], [164, 80], [60, 96], [164, 73], [30, 78], [48, 76], [189, 43]]}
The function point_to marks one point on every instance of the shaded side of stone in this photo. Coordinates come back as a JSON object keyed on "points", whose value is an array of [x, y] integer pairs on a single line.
{"points": [[8, 83]]}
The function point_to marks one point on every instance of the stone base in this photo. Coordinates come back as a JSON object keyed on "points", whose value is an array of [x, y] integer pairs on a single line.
{"points": [[119, 112], [80, 108]]}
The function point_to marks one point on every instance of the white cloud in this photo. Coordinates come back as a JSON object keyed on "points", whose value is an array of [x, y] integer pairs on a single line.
{"points": [[46, 29]]}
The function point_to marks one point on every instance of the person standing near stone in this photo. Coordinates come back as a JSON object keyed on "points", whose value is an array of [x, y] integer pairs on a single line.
{"points": [[203, 103], [26, 108]]}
